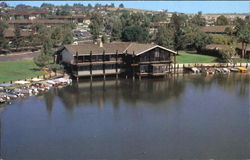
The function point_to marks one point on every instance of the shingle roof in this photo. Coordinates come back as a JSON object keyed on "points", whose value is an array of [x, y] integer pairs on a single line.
{"points": [[96, 49], [10, 32], [121, 47], [47, 21], [215, 29], [28, 12]]}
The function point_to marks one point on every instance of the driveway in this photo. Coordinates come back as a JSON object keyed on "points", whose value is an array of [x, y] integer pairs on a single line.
{"points": [[20, 56]]}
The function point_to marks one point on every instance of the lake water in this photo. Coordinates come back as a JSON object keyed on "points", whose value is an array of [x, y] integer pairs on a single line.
{"points": [[185, 117]]}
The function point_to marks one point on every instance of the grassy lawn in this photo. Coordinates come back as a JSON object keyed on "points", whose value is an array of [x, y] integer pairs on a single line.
{"points": [[185, 57], [241, 60], [15, 70]]}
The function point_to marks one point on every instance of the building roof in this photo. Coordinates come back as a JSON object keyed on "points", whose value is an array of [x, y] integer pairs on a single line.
{"points": [[121, 47], [28, 12], [224, 46], [67, 17], [10, 32], [96, 49], [46, 21], [215, 29]]}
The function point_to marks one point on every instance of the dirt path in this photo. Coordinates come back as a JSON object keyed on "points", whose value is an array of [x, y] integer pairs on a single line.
{"points": [[16, 57]]}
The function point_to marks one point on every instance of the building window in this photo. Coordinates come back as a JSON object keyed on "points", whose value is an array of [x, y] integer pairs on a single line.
{"points": [[157, 54]]}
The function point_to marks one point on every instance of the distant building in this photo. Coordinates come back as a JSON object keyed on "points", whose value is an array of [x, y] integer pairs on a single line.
{"points": [[29, 14], [75, 18], [132, 59], [215, 29], [28, 23]]}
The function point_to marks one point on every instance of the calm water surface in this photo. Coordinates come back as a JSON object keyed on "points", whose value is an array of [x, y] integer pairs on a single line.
{"points": [[186, 117]]}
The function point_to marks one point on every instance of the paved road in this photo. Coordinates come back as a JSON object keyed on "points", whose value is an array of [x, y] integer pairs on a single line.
{"points": [[16, 57]]}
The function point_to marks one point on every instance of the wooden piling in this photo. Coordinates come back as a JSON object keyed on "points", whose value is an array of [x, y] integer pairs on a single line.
{"points": [[103, 65], [90, 65], [116, 64]]}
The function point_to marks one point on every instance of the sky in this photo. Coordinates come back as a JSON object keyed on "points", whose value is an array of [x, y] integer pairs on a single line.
{"points": [[171, 6]]}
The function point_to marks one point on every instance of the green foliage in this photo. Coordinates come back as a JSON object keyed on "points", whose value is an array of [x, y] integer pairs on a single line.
{"points": [[121, 5], [227, 53], [195, 38], [179, 23], [42, 60], [71, 25], [40, 33], [18, 40], [56, 35], [165, 36], [47, 47], [221, 20], [244, 38], [55, 67], [3, 41], [134, 34], [198, 20], [96, 25], [221, 39], [116, 30], [68, 37], [62, 12], [104, 39]]}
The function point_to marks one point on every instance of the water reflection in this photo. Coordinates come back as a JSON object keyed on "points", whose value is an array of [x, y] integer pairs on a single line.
{"points": [[183, 117], [150, 91]]}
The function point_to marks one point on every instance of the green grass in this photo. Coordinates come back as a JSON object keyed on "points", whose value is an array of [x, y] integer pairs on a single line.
{"points": [[241, 60], [16, 70], [185, 57]]}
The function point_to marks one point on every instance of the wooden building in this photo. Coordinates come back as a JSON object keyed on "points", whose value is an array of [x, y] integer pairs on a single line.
{"points": [[129, 59], [28, 14]]}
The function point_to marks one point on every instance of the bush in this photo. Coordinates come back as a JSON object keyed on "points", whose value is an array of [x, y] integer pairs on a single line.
{"points": [[55, 67], [42, 60]]}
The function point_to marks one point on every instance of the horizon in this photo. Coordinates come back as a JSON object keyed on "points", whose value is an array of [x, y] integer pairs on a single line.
{"points": [[187, 7]]}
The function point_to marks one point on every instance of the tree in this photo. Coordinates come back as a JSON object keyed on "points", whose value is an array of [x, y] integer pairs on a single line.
{"points": [[96, 25], [3, 41], [90, 6], [47, 47], [221, 20], [55, 67], [56, 36], [68, 37], [244, 39], [195, 38], [179, 24], [42, 60], [39, 34], [22, 7], [165, 37], [221, 39], [227, 53], [121, 5], [134, 34], [116, 30], [18, 40], [198, 19]]}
